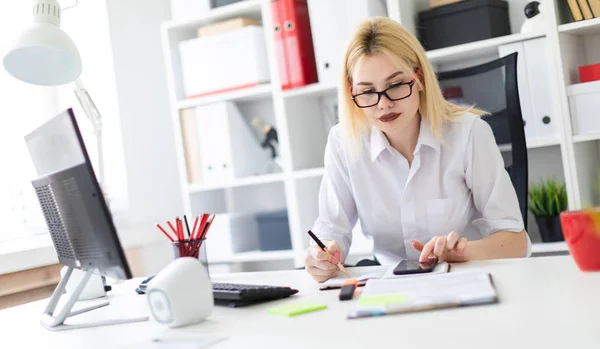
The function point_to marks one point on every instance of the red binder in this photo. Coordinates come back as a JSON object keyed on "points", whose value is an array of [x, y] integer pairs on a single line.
{"points": [[293, 40]]}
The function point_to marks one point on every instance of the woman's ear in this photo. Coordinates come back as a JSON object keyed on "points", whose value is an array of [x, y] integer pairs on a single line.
{"points": [[420, 80]]}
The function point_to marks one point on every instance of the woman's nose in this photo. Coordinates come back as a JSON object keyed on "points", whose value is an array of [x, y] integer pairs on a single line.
{"points": [[384, 103]]}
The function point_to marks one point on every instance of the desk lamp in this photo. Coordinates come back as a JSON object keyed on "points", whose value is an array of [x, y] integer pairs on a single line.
{"points": [[43, 54]]}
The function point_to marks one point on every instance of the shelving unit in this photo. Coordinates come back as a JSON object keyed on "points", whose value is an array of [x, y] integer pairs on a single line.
{"points": [[303, 118], [243, 95]]}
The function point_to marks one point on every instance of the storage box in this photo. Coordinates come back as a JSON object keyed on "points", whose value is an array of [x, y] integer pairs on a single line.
{"points": [[589, 73], [438, 3], [273, 231], [584, 104], [463, 22], [218, 63]]}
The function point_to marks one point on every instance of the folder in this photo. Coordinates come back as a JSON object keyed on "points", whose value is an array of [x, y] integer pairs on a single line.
{"points": [[296, 43], [191, 149]]}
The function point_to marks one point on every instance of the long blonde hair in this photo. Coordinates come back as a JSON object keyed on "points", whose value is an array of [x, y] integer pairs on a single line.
{"points": [[382, 35]]}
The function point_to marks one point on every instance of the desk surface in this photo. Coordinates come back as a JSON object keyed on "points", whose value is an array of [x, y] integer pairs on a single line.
{"points": [[545, 302]]}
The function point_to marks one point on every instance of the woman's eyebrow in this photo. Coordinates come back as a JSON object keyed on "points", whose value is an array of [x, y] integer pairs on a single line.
{"points": [[388, 78]]}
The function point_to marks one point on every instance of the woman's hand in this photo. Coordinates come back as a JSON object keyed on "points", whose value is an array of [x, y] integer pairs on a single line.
{"points": [[322, 265], [446, 248]]}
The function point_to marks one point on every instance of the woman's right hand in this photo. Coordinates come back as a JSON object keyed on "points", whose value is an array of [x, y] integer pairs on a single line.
{"points": [[321, 265]]}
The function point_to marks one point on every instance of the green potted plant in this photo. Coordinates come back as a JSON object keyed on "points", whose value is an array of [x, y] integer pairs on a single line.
{"points": [[547, 200]]}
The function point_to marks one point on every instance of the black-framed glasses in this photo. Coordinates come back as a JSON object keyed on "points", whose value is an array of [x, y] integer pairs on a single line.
{"points": [[395, 92]]}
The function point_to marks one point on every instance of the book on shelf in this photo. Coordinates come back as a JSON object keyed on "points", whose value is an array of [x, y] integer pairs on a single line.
{"points": [[226, 26], [595, 7], [584, 9]]}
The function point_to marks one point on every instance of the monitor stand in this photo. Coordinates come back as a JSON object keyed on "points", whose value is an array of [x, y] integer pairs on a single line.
{"points": [[57, 323]]}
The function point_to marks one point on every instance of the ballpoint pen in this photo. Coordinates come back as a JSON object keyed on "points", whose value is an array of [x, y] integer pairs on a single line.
{"points": [[324, 248]]}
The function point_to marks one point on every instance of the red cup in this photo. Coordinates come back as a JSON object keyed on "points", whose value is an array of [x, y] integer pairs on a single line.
{"points": [[581, 230]]}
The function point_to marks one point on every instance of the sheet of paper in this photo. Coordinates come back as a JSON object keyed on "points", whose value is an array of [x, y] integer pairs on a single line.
{"points": [[463, 287], [200, 342], [382, 273], [359, 275]]}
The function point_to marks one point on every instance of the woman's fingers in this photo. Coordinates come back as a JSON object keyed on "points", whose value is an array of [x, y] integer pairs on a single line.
{"points": [[451, 241], [428, 249], [417, 245], [440, 246], [462, 244]]}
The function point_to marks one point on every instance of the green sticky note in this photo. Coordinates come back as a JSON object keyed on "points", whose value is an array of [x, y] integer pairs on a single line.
{"points": [[382, 300], [296, 309]]}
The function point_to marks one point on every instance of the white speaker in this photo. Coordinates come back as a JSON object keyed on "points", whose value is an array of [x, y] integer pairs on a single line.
{"points": [[181, 294]]}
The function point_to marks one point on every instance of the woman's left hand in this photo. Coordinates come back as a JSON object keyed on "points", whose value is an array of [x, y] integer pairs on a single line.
{"points": [[446, 248]]}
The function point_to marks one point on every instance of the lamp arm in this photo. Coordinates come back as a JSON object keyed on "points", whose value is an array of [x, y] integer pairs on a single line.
{"points": [[96, 119]]}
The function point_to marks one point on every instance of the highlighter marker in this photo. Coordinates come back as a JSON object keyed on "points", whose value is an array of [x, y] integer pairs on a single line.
{"points": [[347, 290]]}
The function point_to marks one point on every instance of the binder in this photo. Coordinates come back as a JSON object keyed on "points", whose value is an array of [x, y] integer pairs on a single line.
{"points": [[331, 33], [190, 145], [279, 48], [296, 42], [228, 148]]}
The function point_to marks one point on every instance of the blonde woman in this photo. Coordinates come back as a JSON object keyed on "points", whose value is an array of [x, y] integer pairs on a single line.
{"points": [[424, 176]]}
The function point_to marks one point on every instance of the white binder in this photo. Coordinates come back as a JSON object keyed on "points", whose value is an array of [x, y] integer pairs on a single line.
{"points": [[228, 148], [330, 33]]}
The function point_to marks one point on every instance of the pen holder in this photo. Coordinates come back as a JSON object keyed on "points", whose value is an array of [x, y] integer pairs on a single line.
{"points": [[191, 248]]}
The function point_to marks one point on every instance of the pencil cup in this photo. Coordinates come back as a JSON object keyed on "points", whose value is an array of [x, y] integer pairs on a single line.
{"points": [[191, 248]]}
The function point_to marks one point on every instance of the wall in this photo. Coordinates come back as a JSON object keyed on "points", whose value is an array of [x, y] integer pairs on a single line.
{"points": [[148, 141]]}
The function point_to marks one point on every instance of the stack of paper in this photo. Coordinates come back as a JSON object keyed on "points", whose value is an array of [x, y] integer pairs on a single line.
{"points": [[388, 296]]}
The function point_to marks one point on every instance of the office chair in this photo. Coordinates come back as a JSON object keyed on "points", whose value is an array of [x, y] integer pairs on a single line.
{"points": [[492, 86]]}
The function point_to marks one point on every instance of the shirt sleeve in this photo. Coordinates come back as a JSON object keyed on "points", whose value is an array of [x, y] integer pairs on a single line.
{"points": [[337, 209], [493, 193]]}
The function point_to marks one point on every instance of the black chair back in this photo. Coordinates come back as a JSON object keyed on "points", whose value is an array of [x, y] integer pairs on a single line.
{"points": [[493, 87]]}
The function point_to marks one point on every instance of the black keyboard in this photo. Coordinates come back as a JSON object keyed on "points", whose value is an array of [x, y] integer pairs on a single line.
{"points": [[243, 294], [236, 295]]}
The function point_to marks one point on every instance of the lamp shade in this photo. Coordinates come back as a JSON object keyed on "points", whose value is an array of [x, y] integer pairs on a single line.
{"points": [[44, 54]]}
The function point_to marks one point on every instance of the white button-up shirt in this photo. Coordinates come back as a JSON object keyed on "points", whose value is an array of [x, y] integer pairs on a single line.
{"points": [[459, 185]]}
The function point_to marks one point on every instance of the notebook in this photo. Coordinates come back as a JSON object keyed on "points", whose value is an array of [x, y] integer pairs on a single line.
{"points": [[381, 273], [457, 289]]}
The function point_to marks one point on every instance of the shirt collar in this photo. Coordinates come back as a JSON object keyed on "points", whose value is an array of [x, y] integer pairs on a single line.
{"points": [[379, 141]]}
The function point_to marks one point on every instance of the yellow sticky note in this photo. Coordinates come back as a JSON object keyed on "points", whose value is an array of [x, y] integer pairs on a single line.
{"points": [[296, 308], [382, 300]]}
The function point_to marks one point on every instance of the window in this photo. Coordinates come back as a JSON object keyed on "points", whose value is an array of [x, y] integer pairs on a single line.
{"points": [[23, 107]]}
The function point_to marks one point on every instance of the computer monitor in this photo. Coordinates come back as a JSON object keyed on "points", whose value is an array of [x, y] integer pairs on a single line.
{"points": [[76, 214]]}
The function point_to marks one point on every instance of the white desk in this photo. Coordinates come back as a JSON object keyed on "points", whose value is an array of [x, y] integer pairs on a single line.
{"points": [[545, 302]]}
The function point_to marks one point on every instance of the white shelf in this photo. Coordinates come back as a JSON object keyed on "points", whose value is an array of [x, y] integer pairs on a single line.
{"points": [[586, 27], [247, 94], [253, 256], [476, 49], [242, 182], [242, 8], [586, 138], [532, 144], [548, 247], [316, 89], [310, 173]]}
